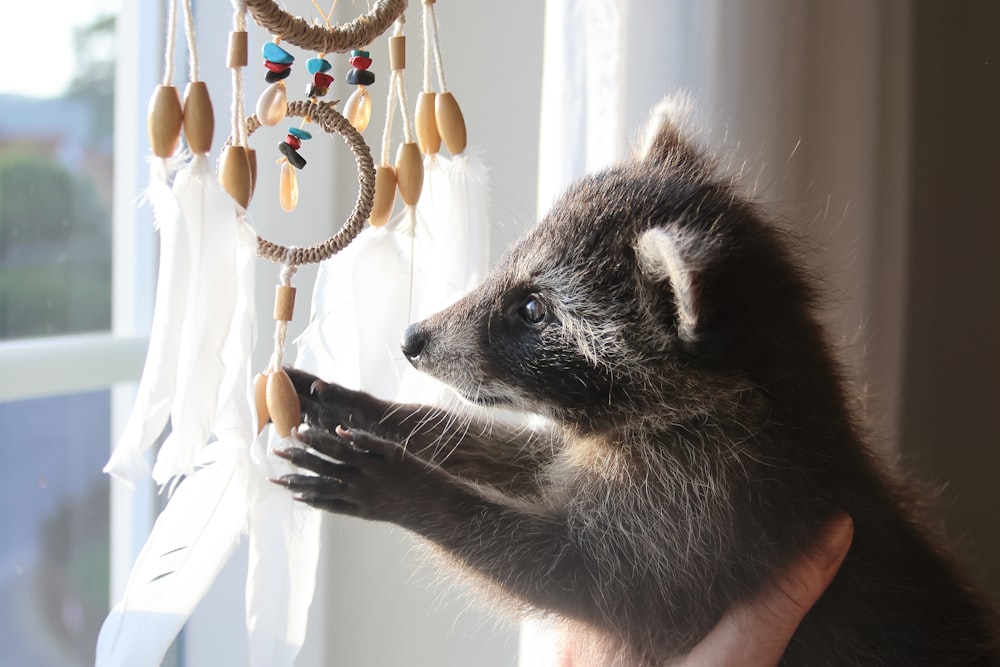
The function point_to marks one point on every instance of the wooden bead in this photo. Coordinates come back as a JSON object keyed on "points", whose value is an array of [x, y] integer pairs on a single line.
{"points": [[358, 109], [397, 53], [450, 122], [237, 50], [409, 173], [252, 160], [427, 130], [282, 403], [234, 174], [284, 303], [288, 197], [164, 121], [199, 120], [260, 400], [385, 195]]}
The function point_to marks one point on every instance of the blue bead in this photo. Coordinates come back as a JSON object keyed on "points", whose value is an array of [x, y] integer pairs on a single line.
{"points": [[300, 133], [276, 54], [318, 65], [360, 52]]}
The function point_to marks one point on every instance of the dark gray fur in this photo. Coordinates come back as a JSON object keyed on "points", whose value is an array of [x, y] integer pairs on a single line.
{"points": [[699, 436]]}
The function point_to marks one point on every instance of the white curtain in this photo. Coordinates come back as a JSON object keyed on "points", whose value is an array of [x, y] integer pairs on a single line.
{"points": [[807, 104], [806, 101]]}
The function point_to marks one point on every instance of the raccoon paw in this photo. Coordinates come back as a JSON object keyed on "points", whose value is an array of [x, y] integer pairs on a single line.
{"points": [[329, 405], [356, 473]]}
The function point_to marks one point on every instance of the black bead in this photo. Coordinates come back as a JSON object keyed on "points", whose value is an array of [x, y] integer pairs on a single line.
{"points": [[271, 77], [293, 156], [312, 90], [360, 77]]}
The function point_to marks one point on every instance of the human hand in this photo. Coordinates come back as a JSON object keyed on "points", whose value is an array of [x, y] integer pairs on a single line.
{"points": [[755, 633]]}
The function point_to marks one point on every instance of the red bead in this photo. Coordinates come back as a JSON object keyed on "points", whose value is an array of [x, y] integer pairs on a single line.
{"points": [[293, 141], [276, 67], [360, 62], [322, 79]]}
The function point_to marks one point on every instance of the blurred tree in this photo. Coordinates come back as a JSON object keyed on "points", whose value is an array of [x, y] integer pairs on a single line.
{"points": [[93, 81], [55, 249]]}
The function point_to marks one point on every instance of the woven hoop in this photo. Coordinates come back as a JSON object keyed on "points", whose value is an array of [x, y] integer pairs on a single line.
{"points": [[325, 116], [355, 34]]}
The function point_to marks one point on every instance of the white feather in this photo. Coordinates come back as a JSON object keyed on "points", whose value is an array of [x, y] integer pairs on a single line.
{"points": [[465, 249], [211, 215], [191, 540], [156, 389], [281, 572]]}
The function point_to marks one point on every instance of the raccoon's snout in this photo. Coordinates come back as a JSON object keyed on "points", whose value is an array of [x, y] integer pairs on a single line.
{"points": [[413, 343]]}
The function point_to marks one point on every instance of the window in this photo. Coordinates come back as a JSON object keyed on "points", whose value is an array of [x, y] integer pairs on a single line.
{"points": [[56, 199]]}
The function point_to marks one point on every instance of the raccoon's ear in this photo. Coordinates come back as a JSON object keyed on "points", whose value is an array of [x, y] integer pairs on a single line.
{"points": [[666, 138], [665, 254]]}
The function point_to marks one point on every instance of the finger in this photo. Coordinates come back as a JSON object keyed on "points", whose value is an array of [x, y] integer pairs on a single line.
{"points": [[307, 386], [303, 458], [756, 633], [333, 446]]}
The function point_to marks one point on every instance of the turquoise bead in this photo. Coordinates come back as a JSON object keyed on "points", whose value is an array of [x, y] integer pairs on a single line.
{"points": [[300, 133], [276, 54], [318, 65], [360, 52]]}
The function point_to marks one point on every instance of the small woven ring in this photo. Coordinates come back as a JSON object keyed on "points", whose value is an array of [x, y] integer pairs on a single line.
{"points": [[355, 34], [324, 115]]}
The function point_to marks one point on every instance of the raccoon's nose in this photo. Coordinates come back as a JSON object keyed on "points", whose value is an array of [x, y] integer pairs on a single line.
{"points": [[413, 343]]}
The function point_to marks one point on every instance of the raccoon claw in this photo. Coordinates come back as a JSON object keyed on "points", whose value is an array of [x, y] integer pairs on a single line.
{"points": [[355, 473], [326, 404]]}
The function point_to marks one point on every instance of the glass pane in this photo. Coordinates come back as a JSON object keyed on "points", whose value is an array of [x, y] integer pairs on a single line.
{"points": [[55, 168], [54, 537]]}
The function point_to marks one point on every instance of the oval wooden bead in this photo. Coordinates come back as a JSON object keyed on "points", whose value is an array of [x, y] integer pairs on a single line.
{"points": [[252, 160], [358, 109], [450, 122], [199, 120], [260, 400], [397, 53], [234, 174], [288, 196], [282, 403], [237, 56], [164, 121], [385, 195], [427, 130], [284, 303], [409, 173]]}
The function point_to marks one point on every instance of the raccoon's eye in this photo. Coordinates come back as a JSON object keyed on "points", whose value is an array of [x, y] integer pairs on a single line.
{"points": [[532, 310]]}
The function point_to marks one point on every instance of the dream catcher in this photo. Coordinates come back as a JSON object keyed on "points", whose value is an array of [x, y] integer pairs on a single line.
{"points": [[217, 457]]}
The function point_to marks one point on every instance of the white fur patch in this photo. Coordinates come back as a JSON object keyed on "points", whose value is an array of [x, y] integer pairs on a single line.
{"points": [[659, 254]]}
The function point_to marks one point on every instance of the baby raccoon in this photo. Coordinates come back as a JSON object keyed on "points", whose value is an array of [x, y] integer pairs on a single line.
{"points": [[698, 436]]}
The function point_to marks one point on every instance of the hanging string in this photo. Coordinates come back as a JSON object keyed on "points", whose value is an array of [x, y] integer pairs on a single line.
{"points": [[239, 132], [431, 38], [189, 34], [168, 56]]}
